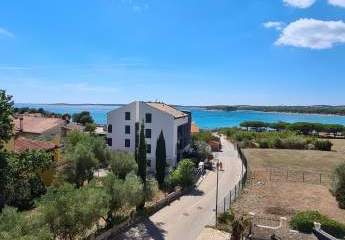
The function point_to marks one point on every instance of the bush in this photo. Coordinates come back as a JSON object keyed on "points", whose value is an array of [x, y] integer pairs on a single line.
{"points": [[184, 174], [204, 136], [323, 145], [264, 143], [122, 163], [70, 213], [339, 185], [278, 143], [304, 222], [15, 225], [294, 142]]}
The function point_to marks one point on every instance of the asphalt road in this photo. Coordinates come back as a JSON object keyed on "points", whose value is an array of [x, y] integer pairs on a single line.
{"points": [[185, 218]]}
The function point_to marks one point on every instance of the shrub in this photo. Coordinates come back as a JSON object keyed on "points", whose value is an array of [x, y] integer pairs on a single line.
{"points": [[122, 163], [183, 175], [278, 143], [15, 225], [339, 185], [70, 213], [264, 143], [323, 145], [294, 142], [304, 222]]}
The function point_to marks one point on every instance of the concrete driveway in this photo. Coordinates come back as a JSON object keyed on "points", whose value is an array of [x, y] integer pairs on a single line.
{"points": [[185, 218]]}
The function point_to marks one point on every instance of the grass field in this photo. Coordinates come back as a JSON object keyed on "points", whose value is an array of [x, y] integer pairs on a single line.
{"points": [[338, 145], [302, 160], [284, 198]]}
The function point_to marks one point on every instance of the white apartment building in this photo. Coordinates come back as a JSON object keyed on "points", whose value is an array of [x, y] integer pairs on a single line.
{"points": [[124, 127]]}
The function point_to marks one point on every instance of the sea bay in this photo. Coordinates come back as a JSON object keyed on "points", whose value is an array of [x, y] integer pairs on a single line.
{"points": [[202, 117]]}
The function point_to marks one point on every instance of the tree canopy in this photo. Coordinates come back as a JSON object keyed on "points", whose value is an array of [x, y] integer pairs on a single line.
{"points": [[122, 163], [6, 117], [22, 182], [82, 118], [71, 212], [15, 225], [84, 153], [160, 159], [183, 175]]}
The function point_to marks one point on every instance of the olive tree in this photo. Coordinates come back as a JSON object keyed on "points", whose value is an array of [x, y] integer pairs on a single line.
{"points": [[81, 165], [71, 212], [122, 163], [15, 225], [121, 193]]}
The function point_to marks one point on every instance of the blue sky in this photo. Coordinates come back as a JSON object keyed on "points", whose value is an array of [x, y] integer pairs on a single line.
{"points": [[193, 52]]}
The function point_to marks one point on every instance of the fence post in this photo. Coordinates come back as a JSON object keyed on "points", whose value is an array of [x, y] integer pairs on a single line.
{"points": [[224, 204], [230, 199], [303, 176], [320, 178]]}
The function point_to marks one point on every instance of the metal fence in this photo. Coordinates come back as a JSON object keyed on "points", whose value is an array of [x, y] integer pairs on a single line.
{"points": [[289, 175], [226, 202]]}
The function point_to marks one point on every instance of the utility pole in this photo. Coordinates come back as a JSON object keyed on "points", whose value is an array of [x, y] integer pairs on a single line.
{"points": [[217, 194]]}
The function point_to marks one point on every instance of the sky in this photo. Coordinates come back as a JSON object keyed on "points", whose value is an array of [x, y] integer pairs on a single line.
{"points": [[190, 52]]}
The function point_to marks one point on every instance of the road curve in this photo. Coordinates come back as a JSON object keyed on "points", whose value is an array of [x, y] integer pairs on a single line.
{"points": [[185, 218]]}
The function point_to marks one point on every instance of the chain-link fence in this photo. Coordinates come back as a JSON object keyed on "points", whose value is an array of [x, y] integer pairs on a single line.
{"points": [[226, 202]]}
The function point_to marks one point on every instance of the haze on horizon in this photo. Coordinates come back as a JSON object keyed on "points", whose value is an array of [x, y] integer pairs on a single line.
{"points": [[285, 52]]}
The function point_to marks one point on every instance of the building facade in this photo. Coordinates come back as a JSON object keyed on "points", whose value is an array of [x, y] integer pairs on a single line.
{"points": [[124, 127]]}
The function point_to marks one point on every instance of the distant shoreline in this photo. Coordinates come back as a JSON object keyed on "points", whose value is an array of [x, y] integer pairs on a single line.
{"points": [[325, 110]]}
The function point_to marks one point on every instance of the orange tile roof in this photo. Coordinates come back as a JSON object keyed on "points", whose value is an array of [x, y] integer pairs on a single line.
{"points": [[38, 124], [168, 109], [194, 128], [21, 144]]}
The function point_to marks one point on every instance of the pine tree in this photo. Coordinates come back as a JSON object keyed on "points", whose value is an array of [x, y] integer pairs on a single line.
{"points": [[142, 154], [160, 159], [142, 159]]}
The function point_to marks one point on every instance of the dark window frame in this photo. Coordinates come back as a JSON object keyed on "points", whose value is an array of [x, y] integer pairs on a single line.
{"points": [[127, 116], [148, 133], [148, 148], [110, 142], [110, 128], [127, 143], [148, 118], [127, 129]]}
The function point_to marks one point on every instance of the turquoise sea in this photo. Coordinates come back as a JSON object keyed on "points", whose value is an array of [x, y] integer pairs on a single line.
{"points": [[203, 118]]}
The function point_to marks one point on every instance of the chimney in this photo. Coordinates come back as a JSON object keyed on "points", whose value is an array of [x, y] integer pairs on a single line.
{"points": [[21, 123]]}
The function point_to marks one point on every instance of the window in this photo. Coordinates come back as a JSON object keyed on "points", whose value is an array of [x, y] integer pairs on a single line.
{"points": [[127, 143], [110, 128], [128, 129], [128, 116], [148, 148], [148, 162], [148, 118], [110, 142], [148, 133]]}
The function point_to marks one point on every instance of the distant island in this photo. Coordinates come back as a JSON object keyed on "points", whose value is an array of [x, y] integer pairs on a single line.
{"points": [[315, 109]]}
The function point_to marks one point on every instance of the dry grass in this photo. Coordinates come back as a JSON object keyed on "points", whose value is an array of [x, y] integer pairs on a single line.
{"points": [[301, 160], [338, 145], [285, 199]]}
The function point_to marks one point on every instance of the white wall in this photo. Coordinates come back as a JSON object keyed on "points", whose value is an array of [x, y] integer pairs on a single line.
{"points": [[160, 121], [117, 119]]}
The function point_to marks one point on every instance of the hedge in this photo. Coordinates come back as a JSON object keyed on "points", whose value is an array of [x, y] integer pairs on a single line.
{"points": [[304, 222]]}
